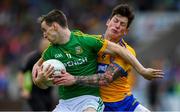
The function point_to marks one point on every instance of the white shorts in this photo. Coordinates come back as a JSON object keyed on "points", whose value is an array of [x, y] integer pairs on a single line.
{"points": [[78, 104], [141, 108]]}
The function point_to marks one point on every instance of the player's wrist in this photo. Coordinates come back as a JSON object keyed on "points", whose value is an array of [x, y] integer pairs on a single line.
{"points": [[77, 80], [42, 85], [142, 71], [40, 81]]}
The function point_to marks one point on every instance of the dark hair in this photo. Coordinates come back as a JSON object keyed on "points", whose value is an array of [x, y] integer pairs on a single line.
{"points": [[54, 16], [123, 10]]}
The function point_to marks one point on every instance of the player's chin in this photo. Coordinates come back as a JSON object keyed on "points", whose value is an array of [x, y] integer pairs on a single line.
{"points": [[114, 34]]}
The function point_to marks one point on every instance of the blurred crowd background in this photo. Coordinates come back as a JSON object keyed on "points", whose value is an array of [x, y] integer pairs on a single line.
{"points": [[155, 35]]}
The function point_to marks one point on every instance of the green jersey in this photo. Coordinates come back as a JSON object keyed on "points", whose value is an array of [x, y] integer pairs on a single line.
{"points": [[79, 56]]}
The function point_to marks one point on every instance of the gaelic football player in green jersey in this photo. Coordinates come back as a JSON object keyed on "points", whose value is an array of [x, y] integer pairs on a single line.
{"points": [[78, 52]]}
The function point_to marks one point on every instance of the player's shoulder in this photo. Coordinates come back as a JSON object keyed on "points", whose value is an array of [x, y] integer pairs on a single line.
{"points": [[130, 48], [79, 33], [50, 48]]}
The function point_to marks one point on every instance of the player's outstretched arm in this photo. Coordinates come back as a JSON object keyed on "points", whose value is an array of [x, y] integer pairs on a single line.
{"points": [[147, 73]]}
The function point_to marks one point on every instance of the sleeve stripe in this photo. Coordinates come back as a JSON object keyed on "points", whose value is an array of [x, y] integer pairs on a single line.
{"points": [[103, 48]]}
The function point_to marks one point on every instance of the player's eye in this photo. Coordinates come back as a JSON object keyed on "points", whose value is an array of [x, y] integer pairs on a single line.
{"points": [[123, 24], [43, 30], [115, 20]]}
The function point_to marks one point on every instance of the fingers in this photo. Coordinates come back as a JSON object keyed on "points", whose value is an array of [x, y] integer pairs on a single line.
{"points": [[112, 68], [65, 79], [63, 71], [39, 70], [34, 71], [157, 71], [154, 76], [103, 83], [59, 81], [158, 74], [108, 76], [48, 72], [151, 74]]}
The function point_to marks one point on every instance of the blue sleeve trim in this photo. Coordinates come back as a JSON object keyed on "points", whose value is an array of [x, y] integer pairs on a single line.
{"points": [[123, 72]]}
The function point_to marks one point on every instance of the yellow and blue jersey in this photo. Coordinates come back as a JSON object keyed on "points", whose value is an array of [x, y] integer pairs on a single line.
{"points": [[120, 88]]}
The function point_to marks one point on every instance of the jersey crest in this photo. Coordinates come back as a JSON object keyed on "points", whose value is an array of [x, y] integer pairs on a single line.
{"points": [[78, 50]]}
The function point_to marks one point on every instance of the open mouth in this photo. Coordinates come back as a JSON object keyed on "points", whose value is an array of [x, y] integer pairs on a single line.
{"points": [[114, 31]]}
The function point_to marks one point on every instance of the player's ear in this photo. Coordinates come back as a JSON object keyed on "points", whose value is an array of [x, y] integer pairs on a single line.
{"points": [[55, 25]]}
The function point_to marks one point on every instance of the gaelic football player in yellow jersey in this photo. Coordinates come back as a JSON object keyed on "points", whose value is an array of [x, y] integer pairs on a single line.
{"points": [[117, 95]]}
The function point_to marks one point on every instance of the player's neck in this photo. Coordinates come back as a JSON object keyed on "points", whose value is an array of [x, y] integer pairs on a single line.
{"points": [[110, 38], [65, 37]]}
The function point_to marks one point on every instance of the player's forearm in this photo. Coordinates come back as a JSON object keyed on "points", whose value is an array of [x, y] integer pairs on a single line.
{"points": [[131, 59], [111, 74], [126, 55], [92, 80], [96, 79]]}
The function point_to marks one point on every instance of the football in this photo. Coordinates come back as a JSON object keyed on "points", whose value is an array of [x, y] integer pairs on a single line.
{"points": [[58, 66]]}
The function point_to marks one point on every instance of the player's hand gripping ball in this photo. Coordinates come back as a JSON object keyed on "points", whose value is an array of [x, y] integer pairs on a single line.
{"points": [[58, 67]]}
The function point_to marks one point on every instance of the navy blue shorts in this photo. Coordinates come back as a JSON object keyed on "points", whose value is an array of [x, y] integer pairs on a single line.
{"points": [[128, 104]]}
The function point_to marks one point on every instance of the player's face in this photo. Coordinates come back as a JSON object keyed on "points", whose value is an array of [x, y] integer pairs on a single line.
{"points": [[117, 27], [49, 32]]}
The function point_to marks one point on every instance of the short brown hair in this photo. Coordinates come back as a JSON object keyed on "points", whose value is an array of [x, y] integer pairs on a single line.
{"points": [[54, 16], [123, 10]]}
